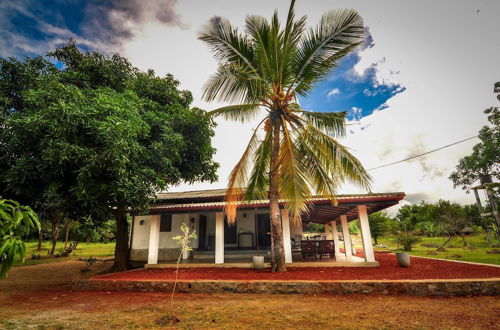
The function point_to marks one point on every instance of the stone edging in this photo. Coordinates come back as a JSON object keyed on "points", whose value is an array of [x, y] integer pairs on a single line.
{"points": [[414, 288]]}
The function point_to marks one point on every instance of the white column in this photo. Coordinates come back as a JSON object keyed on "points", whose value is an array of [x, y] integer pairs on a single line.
{"points": [[219, 237], [154, 239], [336, 238], [185, 220], [365, 233], [287, 243], [328, 233], [347, 236]]}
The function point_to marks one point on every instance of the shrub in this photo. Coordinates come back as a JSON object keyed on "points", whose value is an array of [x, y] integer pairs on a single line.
{"points": [[407, 239]]}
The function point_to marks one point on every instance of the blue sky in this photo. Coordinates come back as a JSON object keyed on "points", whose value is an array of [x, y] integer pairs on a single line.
{"points": [[346, 90]]}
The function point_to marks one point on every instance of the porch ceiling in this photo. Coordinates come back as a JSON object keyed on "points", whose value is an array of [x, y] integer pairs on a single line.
{"points": [[326, 213]]}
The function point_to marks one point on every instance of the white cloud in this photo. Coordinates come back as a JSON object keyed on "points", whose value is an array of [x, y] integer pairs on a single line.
{"points": [[333, 92], [447, 64]]}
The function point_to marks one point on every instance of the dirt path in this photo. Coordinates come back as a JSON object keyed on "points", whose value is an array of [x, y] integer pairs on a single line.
{"points": [[104, 310], [36, 297], [52, 276]]}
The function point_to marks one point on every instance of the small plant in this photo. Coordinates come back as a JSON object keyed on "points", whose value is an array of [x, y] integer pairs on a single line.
{"points": [[90, 261], [183, 241], [407, 239], [16, 222]]}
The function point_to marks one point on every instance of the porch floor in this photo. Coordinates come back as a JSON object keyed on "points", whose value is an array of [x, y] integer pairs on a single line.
{"points": [[246, 262]]}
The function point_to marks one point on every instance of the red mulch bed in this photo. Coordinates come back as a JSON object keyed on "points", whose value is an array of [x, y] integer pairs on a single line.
{"points": [[389, 270]]}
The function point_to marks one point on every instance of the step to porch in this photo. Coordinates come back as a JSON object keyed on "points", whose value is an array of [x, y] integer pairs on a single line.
{"points": [[235, 251], [230, 254]]}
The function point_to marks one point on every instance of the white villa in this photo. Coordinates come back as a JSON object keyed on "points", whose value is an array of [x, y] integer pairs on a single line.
{"points": [[152, 235]]}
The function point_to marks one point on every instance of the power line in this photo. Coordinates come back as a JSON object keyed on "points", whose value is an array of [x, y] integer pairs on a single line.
{"points": [[425, 153]]}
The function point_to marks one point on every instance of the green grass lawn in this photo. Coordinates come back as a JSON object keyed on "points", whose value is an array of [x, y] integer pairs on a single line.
{"points": [[455, 250], [84, 250]]}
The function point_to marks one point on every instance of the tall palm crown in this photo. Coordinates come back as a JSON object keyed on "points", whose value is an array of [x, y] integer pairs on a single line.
{"points": [[292, 153]]}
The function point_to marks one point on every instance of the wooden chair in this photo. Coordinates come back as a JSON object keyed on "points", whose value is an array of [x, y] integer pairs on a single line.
{"points": [[308, 248], [326, 248]]}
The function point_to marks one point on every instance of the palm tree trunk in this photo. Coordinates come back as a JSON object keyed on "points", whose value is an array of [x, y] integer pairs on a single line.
{"points": [[278, 264]]}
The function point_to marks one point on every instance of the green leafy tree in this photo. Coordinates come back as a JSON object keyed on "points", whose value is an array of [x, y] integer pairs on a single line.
{"points": [[293, 153], [415, 214], [485, 157], [99, 138], [379, 224], [453, 218], [484, 160], [16, 222]]}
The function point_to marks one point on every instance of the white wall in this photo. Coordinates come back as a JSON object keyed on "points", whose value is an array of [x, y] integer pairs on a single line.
{"points": [[140, 235], [142, 232]]}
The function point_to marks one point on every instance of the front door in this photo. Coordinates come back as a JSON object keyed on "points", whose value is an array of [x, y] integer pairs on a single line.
{"points": [[263, 231]]}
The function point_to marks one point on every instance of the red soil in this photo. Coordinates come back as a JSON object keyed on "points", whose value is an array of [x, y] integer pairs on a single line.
{"points": [[421, 268]]}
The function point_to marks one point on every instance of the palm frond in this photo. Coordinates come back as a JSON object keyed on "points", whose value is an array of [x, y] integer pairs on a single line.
{"points": [[336, 159], [293, 183], [319, 179], [237, 112], [258, 183], [239, 177], [293, 32], [333, 123], [227, 44], [231, 83], [259, 30], [338, 33]]}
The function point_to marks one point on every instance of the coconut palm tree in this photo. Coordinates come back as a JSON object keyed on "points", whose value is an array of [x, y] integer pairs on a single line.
{"points": [[292, 154]]}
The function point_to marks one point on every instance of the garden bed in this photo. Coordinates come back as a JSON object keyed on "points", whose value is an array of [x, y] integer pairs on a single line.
{"points": [[421, 269]]}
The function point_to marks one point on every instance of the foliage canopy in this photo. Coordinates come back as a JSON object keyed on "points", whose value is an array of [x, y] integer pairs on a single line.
{"points": [[97, 137]]}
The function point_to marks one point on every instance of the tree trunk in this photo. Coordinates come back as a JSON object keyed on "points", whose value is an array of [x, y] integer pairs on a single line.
{"points": [[54, 233], [68, 227], [40, 240], [122, 251], [463, 240], [278, 265]]}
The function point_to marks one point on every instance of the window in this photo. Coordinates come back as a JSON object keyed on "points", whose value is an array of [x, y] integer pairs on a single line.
{"points": [[166, 223]]}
